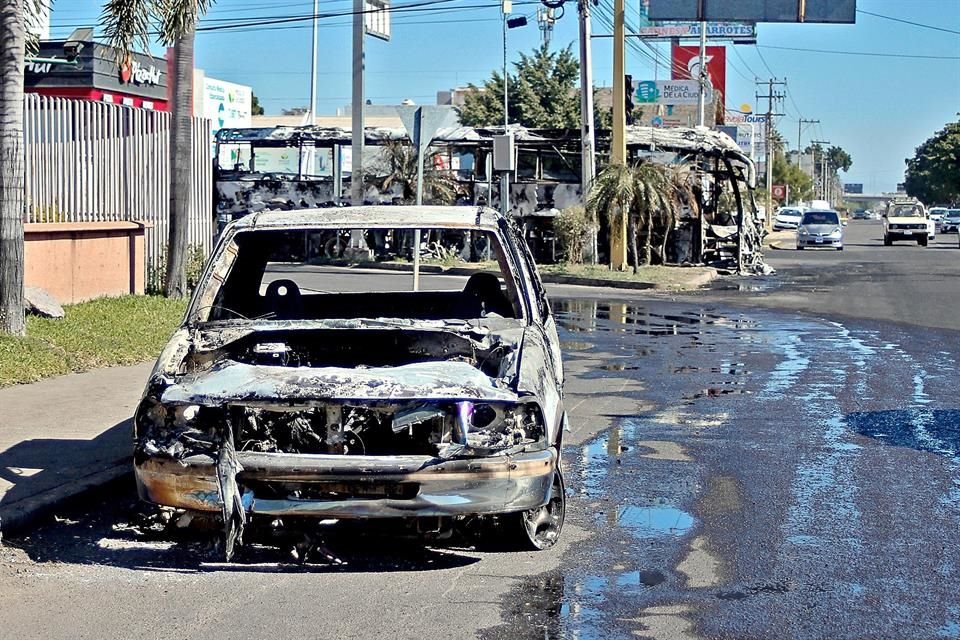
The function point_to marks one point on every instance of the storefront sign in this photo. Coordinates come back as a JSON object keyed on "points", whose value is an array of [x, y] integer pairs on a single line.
{"points": [[133, 71], [729, 30]]}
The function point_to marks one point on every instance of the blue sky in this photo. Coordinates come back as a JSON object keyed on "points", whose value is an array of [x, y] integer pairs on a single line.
{"points": [[878, 108]]}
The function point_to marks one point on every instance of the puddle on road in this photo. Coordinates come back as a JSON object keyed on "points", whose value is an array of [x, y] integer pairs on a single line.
{"points": [[576, 315], [654, 521], [716, 392]]}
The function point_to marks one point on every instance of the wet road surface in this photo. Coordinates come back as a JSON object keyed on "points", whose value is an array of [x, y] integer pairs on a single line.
{"points": [[730, 473], [791, 479]]}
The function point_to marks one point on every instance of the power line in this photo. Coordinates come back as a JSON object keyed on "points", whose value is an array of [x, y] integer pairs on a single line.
{"points": [[912, 24], [860, 53]]}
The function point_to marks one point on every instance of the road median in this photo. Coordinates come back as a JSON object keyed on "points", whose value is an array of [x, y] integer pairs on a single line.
{"points": [[672, 278]]}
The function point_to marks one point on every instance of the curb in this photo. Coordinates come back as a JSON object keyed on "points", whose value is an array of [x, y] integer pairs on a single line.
{"points": [[26, 511]]}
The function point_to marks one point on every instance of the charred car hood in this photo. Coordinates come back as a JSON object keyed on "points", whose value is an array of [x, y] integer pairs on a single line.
{"points": [[231, 381]]}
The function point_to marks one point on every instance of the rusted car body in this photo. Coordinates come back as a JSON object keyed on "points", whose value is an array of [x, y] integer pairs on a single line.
{"points": [[278, 397]]}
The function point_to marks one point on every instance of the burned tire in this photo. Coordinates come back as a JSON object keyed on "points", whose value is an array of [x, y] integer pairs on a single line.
{"points": [[539, 529]]}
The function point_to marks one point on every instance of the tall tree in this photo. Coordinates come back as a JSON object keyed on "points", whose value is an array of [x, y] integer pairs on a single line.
{"points": [[543, 93], [12, 51], [129, 22], [256, 109], [839, 159], [933, 173]]}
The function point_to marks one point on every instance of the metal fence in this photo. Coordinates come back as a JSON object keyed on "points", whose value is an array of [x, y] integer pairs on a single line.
{"points": [[98, 162]]}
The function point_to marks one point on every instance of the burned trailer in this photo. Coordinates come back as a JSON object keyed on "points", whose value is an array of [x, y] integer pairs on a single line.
{"points": [[302, 167], [285, 168], [725, 229]]}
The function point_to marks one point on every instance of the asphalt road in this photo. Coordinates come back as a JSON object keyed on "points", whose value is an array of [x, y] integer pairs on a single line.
{"points": [[904, 283], [732, 471]]}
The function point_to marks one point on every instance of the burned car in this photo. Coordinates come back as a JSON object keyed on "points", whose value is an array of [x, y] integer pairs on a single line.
{"points": [[305, 384]]}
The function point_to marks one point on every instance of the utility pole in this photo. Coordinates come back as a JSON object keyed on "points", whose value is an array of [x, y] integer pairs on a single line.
{"points": [[702, 75], [771, 97], [313, 68], [618, 143], [546, 20], [588, 167], [358, 104], [800, 124], [823, 166]]}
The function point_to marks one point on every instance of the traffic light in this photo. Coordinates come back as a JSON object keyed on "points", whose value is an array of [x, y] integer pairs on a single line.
{"points": [[628, 97]]}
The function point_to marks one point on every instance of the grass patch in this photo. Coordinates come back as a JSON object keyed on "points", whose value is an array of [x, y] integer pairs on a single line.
{"points": [[656, 274], [99, 333]]}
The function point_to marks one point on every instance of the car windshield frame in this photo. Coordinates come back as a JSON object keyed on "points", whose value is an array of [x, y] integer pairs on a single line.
{"points": [[218, 270], [807, 222]]}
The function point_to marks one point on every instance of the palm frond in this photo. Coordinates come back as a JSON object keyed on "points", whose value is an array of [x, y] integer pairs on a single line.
{"points": [[179, 17], [126, 24]]}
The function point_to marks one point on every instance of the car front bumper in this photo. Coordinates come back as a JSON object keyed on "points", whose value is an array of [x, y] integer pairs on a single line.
{"points": [[814, 241], [329, 486]]}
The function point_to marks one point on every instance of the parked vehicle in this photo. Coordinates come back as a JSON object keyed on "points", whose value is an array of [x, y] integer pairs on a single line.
{"points": [[821, 228], [906, 219], [950, 222], [299, 387], [936, 214], [787, 218]]}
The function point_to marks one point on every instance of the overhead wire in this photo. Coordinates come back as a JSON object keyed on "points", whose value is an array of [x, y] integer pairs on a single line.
{"points": [[909, 22]]}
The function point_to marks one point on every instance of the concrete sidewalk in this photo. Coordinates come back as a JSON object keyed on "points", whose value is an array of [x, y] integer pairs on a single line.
{"points": [[62, 436]]}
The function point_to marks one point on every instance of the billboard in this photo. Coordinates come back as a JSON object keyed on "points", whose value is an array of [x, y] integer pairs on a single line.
{"points": [[853, 187], [737, 31], [830, 11], [669, 92], [225, 103], [686, 66]]}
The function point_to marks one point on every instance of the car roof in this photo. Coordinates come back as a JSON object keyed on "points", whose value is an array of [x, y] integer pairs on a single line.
{"points": [[374, 216]]}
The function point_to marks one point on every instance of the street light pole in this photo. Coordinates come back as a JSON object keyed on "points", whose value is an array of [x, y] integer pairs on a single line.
{"points": [[588, 167], [357, 107]]}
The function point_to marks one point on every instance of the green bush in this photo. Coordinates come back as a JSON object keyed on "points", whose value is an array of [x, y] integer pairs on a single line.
{"points": [[157, 270], [572, 226]]}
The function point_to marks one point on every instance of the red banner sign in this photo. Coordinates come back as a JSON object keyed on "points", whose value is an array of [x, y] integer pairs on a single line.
{"points": [[686, 66]]}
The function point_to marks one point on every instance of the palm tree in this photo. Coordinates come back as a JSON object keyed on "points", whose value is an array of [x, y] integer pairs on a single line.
{"points": [[647, 195], [14, 16], [655, 205], [398, 170], [611, 196], [129, 22]]}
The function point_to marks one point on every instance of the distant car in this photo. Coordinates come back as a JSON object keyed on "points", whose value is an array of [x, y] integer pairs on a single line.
{"points": [[787, 218], [937, 214], [906, 219], [820, 228], [863, 214], [951, 221]]}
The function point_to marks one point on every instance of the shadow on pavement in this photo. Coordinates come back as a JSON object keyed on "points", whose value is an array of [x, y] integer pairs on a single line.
{"points": [[35, 471], [112, 528], [932, 430]]}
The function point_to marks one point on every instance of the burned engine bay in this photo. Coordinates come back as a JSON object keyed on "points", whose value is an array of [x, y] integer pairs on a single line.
{"points": [[373, 392]]}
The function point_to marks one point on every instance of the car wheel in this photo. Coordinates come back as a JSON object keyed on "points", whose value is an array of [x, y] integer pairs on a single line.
{"points": [[839, 248], [800, 247], [887, 241], [539, 529], [922, 242]]}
